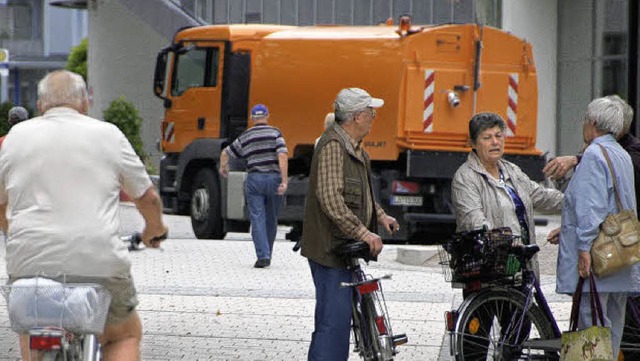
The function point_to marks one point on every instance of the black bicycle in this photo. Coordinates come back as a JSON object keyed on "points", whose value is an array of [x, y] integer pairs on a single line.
{"points": [[374, 338], [505, 315]]}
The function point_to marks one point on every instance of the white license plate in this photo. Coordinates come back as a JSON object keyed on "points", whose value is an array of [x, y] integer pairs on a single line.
{"points": [[406, 200]]}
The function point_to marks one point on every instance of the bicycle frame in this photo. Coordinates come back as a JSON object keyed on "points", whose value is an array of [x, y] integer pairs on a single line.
{"points": [[371, 326]]}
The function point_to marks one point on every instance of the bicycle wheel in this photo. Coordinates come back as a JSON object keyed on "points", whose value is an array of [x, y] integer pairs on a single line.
{"points": [[356, 327], [493, 325], [377, 329], [630, 345]]}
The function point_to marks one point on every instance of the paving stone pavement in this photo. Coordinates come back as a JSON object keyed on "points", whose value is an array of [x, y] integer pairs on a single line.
{"points": [[203, 300]]}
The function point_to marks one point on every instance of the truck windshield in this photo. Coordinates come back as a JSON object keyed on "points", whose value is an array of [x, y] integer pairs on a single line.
{"points": [[196, 68]]}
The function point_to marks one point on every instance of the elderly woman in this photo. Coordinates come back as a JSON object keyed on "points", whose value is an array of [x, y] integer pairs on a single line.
{"points": [[589, 198], [490, 191]]}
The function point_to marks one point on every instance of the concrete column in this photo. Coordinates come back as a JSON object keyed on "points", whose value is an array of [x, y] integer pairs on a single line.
{"points": [[537, 23]]}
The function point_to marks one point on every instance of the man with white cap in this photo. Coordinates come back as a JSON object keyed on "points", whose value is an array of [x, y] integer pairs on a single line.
{"points": [[340, 207]]}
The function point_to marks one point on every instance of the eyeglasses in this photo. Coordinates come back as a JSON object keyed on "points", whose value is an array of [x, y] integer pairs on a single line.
{"points": [[372, 112]]}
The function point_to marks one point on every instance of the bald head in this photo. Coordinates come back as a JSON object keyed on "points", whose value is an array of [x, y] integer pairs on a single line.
{"points": [[62, 88]]}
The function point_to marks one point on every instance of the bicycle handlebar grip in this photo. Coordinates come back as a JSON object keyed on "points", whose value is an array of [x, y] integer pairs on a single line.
{"points": [[297, 246]]}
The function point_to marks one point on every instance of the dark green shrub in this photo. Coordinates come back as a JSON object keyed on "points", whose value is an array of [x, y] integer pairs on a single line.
{"points": [[4, 111], [125, 116], [77, 60]]}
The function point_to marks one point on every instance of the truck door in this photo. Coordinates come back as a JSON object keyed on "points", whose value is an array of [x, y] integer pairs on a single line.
{"points": [[235, 94], [195, 94]]}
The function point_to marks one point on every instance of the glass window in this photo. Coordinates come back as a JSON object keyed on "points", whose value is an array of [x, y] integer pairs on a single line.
{"points": [[204, 10], [194, 69], [610, 53], [15, 22], [347, 12], [614, 77]]}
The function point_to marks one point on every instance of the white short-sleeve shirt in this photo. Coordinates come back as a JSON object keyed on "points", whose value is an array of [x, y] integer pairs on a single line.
{"points": [[60, 176]]}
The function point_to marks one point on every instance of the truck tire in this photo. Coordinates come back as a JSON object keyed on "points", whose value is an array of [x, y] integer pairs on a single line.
{"points": [[206, 216]]}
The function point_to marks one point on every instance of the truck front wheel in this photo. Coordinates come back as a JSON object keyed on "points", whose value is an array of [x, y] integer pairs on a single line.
{"points": [[206, 218]]}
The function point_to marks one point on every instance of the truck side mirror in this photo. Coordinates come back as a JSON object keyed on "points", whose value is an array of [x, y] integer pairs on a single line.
{"points": [[160, 71]]}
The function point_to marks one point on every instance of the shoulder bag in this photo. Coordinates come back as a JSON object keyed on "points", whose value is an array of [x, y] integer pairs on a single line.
{"points": [[616, 246], [591, 343]]}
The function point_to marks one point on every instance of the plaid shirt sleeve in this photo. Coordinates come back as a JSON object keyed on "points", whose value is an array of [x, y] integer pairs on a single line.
{"points": [[380, 213], [329, 192]]}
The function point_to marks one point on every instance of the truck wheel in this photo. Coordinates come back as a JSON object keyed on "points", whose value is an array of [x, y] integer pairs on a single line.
{"points": [[206, 218]]}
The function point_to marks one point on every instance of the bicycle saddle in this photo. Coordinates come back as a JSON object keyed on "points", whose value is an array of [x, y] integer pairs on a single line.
{"points": [[357, 249], [526, 251]]}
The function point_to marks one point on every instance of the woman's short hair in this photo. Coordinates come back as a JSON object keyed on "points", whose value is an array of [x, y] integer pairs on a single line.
{"points": [[61, 88], [483, 121], [606, 114], [627, 111]]}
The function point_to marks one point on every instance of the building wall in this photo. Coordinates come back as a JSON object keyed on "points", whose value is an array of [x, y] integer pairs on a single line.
{"points": [[122, 52], [536, 21], [575, 82]]}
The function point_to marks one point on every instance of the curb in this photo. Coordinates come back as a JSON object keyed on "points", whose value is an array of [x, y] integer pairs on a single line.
{"points": [[416, 256]]}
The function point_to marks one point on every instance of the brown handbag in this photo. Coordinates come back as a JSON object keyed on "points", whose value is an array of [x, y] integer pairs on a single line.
{"points": [[616, 246]]}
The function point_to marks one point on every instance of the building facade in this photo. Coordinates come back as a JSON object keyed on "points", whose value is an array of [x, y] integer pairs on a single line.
{"points": [[582, 48], [38, 38]]}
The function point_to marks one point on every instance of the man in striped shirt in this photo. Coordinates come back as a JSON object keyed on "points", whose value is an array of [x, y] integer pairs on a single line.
{"points": [[264, 149]]}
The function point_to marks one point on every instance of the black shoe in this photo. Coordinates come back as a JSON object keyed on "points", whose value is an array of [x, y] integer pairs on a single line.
{"points": [[262, 263]]}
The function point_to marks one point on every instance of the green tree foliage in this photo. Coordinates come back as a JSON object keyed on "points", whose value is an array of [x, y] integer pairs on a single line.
{"points": [[125, 116], [77, 60], [4, 112]]}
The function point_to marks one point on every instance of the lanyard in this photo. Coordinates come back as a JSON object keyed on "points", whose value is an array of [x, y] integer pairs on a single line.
{"points": [[521, 210]]}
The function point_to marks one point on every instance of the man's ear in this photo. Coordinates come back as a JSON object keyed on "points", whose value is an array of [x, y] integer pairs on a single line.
{"points": [[39, 106]]}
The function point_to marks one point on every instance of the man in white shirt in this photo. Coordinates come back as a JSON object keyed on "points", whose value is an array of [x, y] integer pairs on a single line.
{"points": [[60, 179]]}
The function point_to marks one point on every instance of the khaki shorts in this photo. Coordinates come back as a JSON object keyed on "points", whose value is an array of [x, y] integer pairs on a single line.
{"points": [[124, 298]]}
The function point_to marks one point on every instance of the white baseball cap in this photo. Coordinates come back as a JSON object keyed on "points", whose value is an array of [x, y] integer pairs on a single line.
{"points": [[353, 99]]}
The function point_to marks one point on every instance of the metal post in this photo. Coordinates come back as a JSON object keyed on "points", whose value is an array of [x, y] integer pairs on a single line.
{"points": [[16, 86], [4, 85]]}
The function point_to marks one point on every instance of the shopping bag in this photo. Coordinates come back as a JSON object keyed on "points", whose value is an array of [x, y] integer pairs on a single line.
{"points": [[592, 343]]}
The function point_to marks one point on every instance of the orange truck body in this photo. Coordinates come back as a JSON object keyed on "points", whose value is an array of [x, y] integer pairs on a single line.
{"points": [[432, 79]]}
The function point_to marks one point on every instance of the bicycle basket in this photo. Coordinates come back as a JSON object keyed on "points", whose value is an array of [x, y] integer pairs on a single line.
{"points": [[479, 255], [39, 302]]}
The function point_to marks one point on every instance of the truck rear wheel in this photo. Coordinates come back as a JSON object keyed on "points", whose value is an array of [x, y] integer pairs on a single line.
{"points": [[206, 218]]}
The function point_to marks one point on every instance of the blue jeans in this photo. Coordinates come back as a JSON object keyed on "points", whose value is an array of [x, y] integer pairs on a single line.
{"points": [[330, 339], [264, 203]]}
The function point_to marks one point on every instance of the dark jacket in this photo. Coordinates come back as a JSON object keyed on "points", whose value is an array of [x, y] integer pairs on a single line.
{"points": [[320, 236], [632, 145]]}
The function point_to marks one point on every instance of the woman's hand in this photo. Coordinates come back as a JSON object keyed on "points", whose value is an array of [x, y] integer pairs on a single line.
{"points": [[584, 263], [554, 236]]}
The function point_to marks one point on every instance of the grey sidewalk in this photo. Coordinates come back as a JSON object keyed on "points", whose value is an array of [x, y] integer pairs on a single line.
{"points": [[202, 300]]}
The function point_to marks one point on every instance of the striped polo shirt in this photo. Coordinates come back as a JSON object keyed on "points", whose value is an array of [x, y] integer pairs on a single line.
{"points": [[259, 146]]}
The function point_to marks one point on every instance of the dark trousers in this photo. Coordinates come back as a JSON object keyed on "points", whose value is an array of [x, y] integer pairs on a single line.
{"points": [[330, 338]]}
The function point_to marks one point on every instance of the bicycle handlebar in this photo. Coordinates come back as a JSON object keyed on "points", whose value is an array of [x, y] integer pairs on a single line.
{"points": [[133, 241]]}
